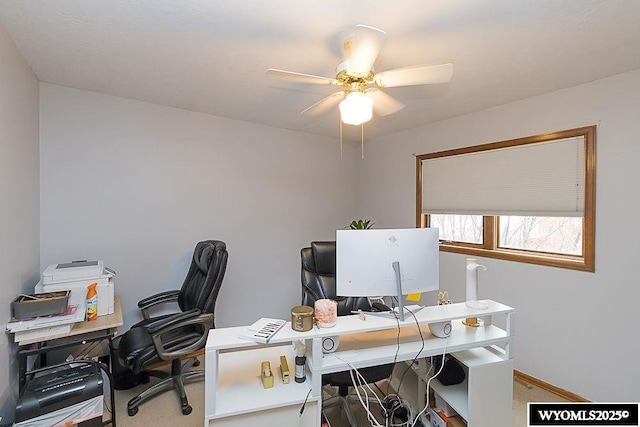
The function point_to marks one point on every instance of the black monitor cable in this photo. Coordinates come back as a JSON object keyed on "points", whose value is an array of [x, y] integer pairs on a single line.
{"points": [[395, 357], [413, 361], [396, 401]]}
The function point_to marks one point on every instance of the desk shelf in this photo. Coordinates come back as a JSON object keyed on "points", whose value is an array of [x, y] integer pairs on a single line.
{"points": [[488, 374], [234, 395], [240, 380], [457, 396], [240, 398], [380, 347]]}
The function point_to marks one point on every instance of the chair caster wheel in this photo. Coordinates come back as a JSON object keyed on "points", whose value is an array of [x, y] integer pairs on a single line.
{"points": [[196, 363], [132, 411], [187, 410]]}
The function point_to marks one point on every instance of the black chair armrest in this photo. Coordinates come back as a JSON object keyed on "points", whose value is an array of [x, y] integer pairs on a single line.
{"points": [[167, 322], [159, 298], [193, 317]]}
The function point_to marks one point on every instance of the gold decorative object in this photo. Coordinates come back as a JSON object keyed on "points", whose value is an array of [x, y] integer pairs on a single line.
{"points": [[471, 321], [443, 298]]}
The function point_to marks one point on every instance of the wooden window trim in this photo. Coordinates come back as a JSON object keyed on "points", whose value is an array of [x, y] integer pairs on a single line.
{"points": [[490, 248]]}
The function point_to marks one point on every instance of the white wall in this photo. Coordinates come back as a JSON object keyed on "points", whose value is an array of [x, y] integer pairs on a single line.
{"points": [[19, 211], [575, 330], [138, 185]]}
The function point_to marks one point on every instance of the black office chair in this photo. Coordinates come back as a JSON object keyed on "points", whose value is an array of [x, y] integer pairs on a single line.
{"points": [[173, 337], [319, 282]]}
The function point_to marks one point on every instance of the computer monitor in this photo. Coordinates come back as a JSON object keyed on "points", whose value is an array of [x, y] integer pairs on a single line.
{"points": [[387, 262]]}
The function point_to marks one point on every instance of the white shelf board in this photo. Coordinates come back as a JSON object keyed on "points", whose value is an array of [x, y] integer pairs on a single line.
{"points": [[240, 389], [478, 356], [381, 347], [430, 314], [227, 338], [456, 396]]}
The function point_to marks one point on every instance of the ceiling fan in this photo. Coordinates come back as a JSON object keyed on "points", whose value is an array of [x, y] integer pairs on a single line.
{"points": [[360, 94]]}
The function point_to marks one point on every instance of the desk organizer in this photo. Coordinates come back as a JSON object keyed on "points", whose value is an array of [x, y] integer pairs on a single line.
{"points": [[37, 305], [266, 374]]}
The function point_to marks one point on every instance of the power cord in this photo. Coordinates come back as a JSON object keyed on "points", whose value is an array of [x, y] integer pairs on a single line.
{"points": [[426, 406], [360, 386], [398, 409], [413, 361], [409, 411], [392, 405], [304, 403]]}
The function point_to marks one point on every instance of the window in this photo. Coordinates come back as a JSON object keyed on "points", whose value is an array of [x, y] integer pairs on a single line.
{"points": [[530, 199], [459, 228]]}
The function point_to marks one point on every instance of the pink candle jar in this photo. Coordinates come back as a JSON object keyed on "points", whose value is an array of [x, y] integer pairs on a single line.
{"points": [[326, 313]]}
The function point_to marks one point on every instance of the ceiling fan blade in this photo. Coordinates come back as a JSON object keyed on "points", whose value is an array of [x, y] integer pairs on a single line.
{"points": [[384, 104], [365, 47], [415, 76], [325, 103], [307, 78]]}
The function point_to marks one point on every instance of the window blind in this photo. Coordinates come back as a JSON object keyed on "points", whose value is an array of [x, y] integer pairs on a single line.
{"points": [[536, 179]]}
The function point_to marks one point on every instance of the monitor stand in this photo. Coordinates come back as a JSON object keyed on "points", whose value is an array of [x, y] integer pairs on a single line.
{"points": [[401, 310]]}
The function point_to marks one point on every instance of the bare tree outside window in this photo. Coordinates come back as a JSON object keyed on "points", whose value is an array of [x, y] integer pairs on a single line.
{"points": [[561, 235], [459, 228]]}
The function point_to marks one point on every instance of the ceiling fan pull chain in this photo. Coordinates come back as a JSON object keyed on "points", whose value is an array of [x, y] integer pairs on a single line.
{"points": [[362, 138], [340, 121]]}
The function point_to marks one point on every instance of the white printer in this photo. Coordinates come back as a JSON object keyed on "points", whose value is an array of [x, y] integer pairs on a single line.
{"points": [[76, 276]]}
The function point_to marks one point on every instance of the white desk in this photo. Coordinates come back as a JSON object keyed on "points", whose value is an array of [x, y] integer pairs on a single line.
{"points": [[234, 394]]}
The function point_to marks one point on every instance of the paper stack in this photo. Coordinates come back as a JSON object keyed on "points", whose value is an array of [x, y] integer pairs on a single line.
{"points": [[42, 327]]}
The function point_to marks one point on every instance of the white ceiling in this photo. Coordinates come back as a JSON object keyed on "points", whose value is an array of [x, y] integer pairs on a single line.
{"points": [[210, 55]]}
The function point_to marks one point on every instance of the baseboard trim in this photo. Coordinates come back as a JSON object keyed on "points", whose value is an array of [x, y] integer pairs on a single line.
{"points": [[528, 379]]}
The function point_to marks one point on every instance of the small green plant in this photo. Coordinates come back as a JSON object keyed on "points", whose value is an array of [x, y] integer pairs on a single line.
{"points": [[361, 224]]}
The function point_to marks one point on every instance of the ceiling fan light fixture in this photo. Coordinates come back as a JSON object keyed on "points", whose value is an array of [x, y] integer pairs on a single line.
{"points": [[356, 108]]}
